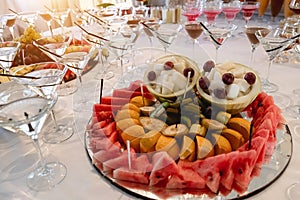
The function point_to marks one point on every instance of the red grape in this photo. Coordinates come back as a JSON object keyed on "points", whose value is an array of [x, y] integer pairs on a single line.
{"points": [[187, 70], [228, 78], [220, 93], [208, 65], [168, 65], [250, 78], [151, 76], [204, 83]]}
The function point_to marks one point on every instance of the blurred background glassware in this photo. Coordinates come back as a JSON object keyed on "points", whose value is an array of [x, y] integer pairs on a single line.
{"points": [[10, 22], [273, 43], [230, 9], [61, 17], [211, 9], [276, 6], [295, 6], [8, 52], [193, 9], [27, 115], [218, 33], [47, 16], [263, 6], [248, 8], [28, 17]]}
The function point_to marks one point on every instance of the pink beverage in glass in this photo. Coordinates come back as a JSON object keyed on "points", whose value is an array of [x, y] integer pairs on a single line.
{"points": [[248, 10], [192, 16], [230, 13], [211, 15]]}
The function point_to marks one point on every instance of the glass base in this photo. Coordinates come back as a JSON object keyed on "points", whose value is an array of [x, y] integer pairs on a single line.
{"points": [[105, 76], [47, 177], [59, 134], [293, 192], [269, 87], [66, 89], [293, 111], [282, 100]]}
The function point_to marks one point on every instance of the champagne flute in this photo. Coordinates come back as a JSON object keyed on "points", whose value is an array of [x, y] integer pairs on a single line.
{"points": [[8, 52], [230, 10], [275, 8], [218, 33], [273, 43], [194, 30], [212, 9], [45, 79], [26, 114]]}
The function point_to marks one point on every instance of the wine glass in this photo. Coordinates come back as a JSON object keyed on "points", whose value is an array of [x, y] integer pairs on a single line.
{"points": [[45, 77], [192, 10], [248, 8], [230, 10], [273, 43], [295, 6], [26, 114], [166, 34], [8, 52], [218, 33], [212, 9], [250, 32], [194, 30]]}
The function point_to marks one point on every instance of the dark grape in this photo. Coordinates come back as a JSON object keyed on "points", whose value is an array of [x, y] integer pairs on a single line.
{"points": [[204, 83], [250, 78], [208, 65], [151, 76], [228, 78], [168, 65], [220, 93], [187, 70]]}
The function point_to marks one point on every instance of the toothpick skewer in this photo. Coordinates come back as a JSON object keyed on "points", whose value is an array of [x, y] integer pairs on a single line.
{"points": [[129, 153], [142, 91]]}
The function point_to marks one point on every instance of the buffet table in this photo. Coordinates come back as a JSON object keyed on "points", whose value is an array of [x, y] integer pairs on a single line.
{"points": [[82, 180]]}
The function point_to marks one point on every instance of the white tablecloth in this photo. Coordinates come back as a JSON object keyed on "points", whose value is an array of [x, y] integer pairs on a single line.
{"points": [[84, 182]]}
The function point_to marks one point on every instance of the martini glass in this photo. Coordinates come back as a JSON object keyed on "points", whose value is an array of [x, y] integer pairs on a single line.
{"points": [[273, 43], [219, 33], [47, 16], [230, 10], [194, 30], [61, 17], [250, 32], [211, 10], [45, 79], [27, 115], [28, 17], [154, 25], [10, 23], [166, 34], [54, 47], [8, 52], [192, 10]]}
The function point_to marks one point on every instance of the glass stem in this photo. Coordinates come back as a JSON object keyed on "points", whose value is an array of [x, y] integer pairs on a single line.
{"points": [[216, 60], [39, 150], [11, 30], [54, 119], [268, 71], [194, 41], [252, 56]]}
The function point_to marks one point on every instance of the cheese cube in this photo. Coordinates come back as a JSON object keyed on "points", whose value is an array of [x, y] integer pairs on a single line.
{"points": [[244, 85], [233, 91]]}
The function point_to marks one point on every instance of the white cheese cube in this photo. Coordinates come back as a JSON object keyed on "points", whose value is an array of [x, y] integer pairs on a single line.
{"points": [[210, 76], [179, 80], [244, 85], [233, 91]]}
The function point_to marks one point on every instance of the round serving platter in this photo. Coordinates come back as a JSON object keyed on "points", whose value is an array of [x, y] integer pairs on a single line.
{"points": [[270, 171]]}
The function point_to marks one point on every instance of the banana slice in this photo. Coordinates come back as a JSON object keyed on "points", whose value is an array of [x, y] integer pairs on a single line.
{"points": [[176, 130], [150, 123]]}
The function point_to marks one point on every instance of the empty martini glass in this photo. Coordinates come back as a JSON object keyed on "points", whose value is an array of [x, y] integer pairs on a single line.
{"points": [[44, 78], [27, 115], [8, 52], [166, 34], [273, 43], [218, 33]]}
